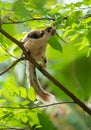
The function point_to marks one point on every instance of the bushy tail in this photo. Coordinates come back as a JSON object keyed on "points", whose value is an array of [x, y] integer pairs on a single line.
{"points": [[34, 82]]}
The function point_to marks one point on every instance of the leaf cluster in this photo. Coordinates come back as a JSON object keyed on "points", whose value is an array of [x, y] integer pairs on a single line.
{"points": [[15, 110]]}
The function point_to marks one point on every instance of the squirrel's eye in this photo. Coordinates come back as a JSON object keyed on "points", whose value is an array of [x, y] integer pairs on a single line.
{"points": [[48, 30]]}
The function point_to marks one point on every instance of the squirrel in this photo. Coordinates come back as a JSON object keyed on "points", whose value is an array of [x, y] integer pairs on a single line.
{"points": [[35, 42]]}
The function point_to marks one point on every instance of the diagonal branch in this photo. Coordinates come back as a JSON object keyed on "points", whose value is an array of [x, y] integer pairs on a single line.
{"points": [[49, 76], [13, 64], [20, 44]]}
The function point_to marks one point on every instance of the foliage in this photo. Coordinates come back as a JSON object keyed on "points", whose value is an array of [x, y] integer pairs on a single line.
{"points": [[71, 67]]}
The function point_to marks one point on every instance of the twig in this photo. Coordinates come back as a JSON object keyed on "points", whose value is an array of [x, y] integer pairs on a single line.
{"points": [[49, 76], [23, 21], [11, 21], [41, 106], [13, 64], [4, 48]]}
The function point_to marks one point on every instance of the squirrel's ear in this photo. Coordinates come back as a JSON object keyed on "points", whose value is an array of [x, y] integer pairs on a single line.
{"points": [[35, 34]]}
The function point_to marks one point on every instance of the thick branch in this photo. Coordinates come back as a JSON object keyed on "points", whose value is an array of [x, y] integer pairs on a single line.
{"points": [[13, 64], [49, 76], [13, 40]]}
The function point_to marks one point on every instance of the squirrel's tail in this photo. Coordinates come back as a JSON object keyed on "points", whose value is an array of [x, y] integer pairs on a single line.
{"points": [[34, 82]]}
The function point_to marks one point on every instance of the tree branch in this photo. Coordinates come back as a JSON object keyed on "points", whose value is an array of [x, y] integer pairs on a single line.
{"points": [[49, 76], [13, 64], [11, 21], [41, 106], [23, 21], [20, 44]]}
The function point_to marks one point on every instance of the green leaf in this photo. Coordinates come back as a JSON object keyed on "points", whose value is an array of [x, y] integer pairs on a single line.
{"points": [[74, 17], [78, 4], [24, 103], [2, 101], [20, 36], [20, 9], [38, 4], [55, 43], [1, 38], [4, 58], [77, 38], [31, 94], [44, 118], [0, 5], [22, 92], [33, 119], [16, 49], [87, 2], [24, 119], [88, 52], [89, 35]]}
